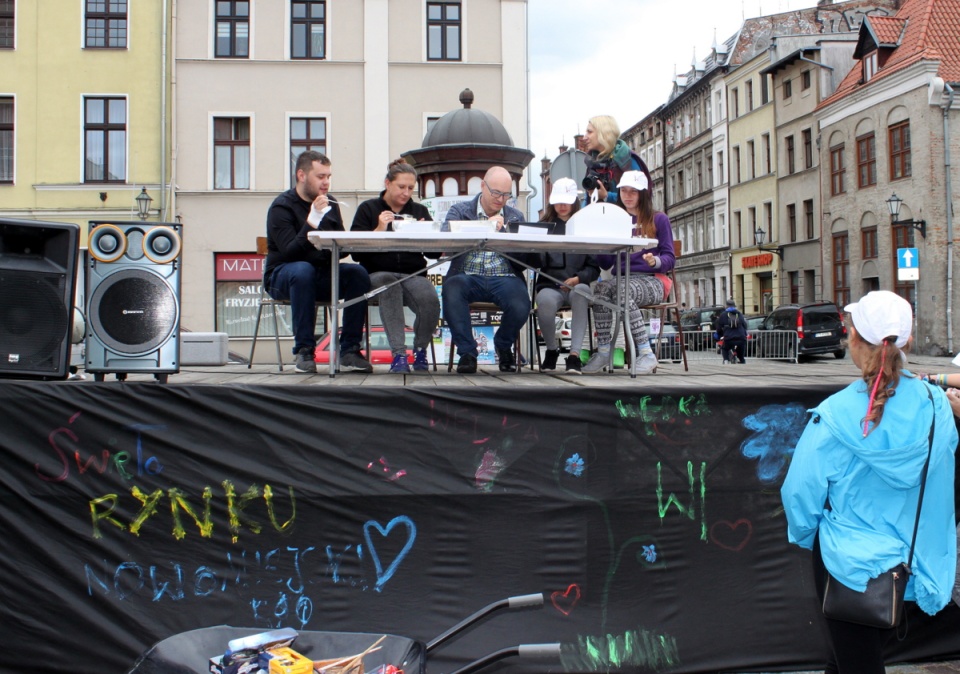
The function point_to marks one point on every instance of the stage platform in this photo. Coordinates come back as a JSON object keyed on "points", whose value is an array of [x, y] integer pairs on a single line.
{"points": [[818, 370], [646, 511]]}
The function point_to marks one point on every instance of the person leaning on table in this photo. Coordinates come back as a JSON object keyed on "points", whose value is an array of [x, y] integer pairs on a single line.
{"points": [[296, 271], [486, 276], [416, 291]]}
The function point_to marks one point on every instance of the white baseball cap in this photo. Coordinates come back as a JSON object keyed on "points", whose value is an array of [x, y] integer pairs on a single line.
{"points": [[881, 314], [564, 191], [634, 179]]}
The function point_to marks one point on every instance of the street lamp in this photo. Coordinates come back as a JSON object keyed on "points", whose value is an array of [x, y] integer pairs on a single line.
{"points": [[894, 203], [758, 237], [143, 204]]}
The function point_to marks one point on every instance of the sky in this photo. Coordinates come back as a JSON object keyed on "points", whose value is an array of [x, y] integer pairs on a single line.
{"points": [[618, 57]]}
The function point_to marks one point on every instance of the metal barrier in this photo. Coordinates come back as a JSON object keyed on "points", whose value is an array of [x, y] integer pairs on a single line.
{"points": [[761, 345]]}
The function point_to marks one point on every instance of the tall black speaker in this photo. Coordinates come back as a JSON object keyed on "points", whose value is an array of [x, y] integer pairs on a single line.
{"points": [[38, 277], [133, 299]]}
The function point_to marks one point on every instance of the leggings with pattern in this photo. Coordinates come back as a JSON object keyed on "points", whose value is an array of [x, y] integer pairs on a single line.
{"points": [[645, 289]]}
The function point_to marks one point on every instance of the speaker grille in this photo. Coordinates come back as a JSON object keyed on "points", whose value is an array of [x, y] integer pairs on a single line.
{"points": [[33, 320], [136, 311]]}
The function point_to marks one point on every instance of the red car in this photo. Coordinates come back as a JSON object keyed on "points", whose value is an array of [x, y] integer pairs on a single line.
{"points": [[380, 353]]}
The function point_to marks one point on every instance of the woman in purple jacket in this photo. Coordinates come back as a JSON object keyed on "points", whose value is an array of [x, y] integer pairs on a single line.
{"points": [[649, 282]]}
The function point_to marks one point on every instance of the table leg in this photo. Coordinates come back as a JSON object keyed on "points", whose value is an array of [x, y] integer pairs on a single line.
{"points": [[334, 355]]}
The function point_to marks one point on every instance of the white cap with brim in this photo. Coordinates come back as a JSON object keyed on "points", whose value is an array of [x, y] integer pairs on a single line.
{"points": [[634, 179], [564, 191], [881, 314]]}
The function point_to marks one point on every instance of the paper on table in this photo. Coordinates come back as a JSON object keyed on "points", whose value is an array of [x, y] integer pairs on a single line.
{"points": [[527, 229]]}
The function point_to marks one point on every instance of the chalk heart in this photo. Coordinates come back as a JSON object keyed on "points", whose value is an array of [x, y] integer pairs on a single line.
{"points": [[384, 531], [565, 601], [732, 536]]}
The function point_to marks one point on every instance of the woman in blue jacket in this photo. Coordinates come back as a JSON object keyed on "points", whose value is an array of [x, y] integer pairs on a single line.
{"points": [[862, 454]]}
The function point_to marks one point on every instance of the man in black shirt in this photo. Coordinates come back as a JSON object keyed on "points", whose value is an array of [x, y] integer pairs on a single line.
{"points": [[297, 271]]}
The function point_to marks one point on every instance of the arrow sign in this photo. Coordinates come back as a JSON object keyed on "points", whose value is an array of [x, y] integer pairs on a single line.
{"points": [[908, 264]]}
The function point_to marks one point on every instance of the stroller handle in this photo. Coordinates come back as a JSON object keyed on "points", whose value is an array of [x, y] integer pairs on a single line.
{"points": [[526, 601], [511, 603], [523, 650], [539, 650]]}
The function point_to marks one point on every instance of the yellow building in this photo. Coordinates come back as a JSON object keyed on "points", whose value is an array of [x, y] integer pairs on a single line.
{"points": [[84, 109], [753, 183]]}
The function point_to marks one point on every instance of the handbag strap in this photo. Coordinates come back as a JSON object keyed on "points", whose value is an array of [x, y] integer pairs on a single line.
{"points": [[923, 478]]}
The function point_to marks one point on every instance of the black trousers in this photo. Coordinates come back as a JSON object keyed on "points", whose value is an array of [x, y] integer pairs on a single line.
{"points": [[854, 649]]}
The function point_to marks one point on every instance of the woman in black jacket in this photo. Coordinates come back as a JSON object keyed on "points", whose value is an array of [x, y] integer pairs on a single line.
{"points": [[416, 291]]}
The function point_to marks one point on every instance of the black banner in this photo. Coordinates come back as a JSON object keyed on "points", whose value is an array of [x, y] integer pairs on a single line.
{"points": [[650, 520]]}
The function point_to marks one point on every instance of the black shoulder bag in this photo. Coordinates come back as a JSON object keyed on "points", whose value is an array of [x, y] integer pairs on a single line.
{"points": [[881, 605]]}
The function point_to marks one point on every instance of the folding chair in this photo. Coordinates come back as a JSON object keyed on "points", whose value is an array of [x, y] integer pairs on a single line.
{"points": [[491, 307], [375, 302], [275, 306], [671, 302]]}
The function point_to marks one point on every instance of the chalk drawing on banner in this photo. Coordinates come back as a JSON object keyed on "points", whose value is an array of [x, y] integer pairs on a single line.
{"points": [[643, 547], [632, 649], [776, 431], [566, 600]]}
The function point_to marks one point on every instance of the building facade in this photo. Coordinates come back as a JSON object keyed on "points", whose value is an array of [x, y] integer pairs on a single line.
{"points": [[891, 128], [85, 112], [362, 82]]}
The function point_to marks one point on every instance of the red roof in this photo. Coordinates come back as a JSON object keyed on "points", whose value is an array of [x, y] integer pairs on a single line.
{"points": [[923, 30], [887, 29]]}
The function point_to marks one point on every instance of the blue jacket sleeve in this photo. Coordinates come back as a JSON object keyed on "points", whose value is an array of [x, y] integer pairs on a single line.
{"points": [[804, 491]]}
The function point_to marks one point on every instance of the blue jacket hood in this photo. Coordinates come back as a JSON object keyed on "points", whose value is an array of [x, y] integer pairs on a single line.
{"points": [[896, 449]]}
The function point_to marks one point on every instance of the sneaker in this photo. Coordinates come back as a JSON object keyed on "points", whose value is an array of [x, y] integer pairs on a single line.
{"points": [[352, 361], [305, 363], [645, 364], [400, 364], [550, 360], [506, 361], [467, 364], [573, 364], [598, 363], [420, 363]]}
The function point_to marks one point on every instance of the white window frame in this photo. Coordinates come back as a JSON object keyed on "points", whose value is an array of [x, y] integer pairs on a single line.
{"points": [[249, 114]]}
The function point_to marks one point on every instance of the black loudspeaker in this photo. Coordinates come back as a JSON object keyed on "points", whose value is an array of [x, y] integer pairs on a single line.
{"points": [[38, 278], [133, 299]]}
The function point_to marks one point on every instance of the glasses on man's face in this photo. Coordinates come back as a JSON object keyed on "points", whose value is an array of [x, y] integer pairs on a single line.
{"points": [[497, 194]]}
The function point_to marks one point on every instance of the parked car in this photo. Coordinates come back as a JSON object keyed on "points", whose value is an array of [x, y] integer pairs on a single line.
{"points": [[557, 326], [698, 325], [671, 348], [753, 324], [380, 353], [818, 326], [564, 334]]}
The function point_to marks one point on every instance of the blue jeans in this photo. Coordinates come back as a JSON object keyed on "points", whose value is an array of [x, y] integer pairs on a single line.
{"points": [[507, 292], [304, 285]]}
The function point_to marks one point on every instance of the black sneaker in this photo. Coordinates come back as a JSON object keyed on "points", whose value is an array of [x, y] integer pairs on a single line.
{"points": [[550, 360], [467, 364], [352, 361], [305, 363], [505, 358], [573, 364]]}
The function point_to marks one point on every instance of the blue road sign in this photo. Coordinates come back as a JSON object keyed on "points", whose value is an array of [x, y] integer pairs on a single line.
{"points": [[908, 264], [907, 258]]}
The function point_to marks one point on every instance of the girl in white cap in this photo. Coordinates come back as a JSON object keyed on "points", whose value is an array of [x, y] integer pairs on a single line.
{"points": [[574, 269], [863, 454], [649, 282]]}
